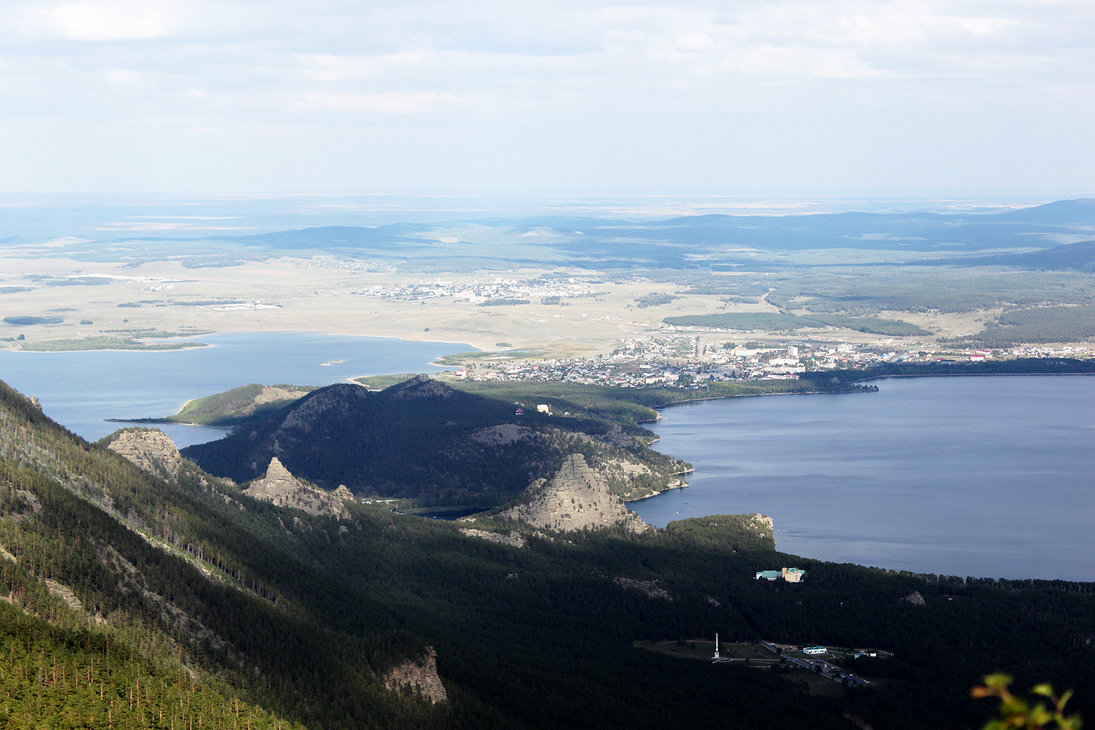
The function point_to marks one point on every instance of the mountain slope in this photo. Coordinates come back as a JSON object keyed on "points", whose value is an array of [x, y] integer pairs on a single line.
{"points": [[310, 619], [422, 439], [1078, 256], [243, 595], [181, 576]]}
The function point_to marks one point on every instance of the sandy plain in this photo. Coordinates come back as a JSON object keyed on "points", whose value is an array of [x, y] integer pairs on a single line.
{"points": [[322, 295]]}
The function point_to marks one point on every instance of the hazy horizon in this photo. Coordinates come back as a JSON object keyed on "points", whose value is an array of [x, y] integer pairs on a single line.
{"points": [[842, 95], [113, 215]]}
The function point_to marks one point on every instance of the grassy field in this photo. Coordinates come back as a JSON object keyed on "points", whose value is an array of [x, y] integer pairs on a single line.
{"points": [[105, 343], [742, 653], [705, 649], [287, 293]]}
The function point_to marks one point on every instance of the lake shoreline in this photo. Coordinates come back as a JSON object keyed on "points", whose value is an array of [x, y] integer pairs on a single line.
{"points": [[1072, 366], [79, 388], [980, 477]]}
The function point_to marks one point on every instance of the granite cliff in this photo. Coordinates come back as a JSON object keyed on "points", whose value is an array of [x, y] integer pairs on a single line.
{"points": [[418, 676], [149, 449]]}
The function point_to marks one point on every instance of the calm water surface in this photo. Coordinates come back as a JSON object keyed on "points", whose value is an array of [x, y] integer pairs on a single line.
{"points": [[80, 389], [990, 476], [962, 476]]}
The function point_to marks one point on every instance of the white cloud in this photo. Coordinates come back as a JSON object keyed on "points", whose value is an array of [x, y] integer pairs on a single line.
{"points": [[123, 77], [580, 84], [328, 67], [397, 102], [106, 20], [985, 26]]}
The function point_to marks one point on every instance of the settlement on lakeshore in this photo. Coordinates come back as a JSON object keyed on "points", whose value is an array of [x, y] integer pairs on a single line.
{"points": [[686, 361], [531, 325]]}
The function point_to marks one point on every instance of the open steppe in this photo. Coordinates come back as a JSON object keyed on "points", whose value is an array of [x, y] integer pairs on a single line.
{"points": [[317, 295]]}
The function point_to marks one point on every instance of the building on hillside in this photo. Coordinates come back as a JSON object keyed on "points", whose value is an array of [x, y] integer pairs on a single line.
{"points": [[815, 650], [793, 575]]}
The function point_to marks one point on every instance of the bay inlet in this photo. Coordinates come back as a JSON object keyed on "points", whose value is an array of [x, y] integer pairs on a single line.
{"points": [[80, 389]]}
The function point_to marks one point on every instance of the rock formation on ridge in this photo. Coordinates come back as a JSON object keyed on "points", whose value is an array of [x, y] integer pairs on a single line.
{"points": [[281, 488], [419, 676], [576, 498], [149, 449]]}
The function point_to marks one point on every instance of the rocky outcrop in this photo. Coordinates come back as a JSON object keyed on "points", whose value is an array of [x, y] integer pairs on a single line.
{"points": [[915, 599], [60, 590], [281, 488], [418, 676], [516, 539], [503, 434], [763, 524], [149, 449], [576, 498], [648, 588]]}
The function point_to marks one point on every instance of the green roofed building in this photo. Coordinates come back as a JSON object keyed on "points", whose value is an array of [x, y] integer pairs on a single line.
{"points": [[791, 575]]}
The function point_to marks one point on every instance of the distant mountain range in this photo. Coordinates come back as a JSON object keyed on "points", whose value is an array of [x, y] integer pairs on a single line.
{"points": [[610, 243]]}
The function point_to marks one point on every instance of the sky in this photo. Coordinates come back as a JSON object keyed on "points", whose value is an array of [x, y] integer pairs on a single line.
{"points": [[719, 96]]}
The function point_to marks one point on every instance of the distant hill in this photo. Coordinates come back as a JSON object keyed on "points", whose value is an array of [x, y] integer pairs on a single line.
{"points": [[1068, 257], [237, 405], [339, 237], [1078, 212], [424, 440], [611, 244], [668, 242]]}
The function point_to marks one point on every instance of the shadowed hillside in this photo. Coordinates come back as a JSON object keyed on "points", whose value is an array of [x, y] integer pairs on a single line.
{"points": [[145, 602], [422, 439]]}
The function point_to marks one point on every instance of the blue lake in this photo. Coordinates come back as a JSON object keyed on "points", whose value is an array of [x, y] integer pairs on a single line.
{"points": [[960, 476], [991, 476], [80, 389]]}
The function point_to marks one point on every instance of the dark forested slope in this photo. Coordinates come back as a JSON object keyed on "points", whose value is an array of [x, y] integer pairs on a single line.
{"points": [[425, 440], [161, 595]]}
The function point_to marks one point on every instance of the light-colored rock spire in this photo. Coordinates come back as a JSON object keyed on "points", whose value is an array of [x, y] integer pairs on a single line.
{"points": [[281, 488], [576, 498]]}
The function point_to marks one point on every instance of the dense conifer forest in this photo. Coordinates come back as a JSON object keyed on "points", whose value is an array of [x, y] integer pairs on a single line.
{"points": [[139, 602]]}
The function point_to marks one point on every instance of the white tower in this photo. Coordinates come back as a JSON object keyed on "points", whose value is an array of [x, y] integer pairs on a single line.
{"points": [[716, 657]]}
